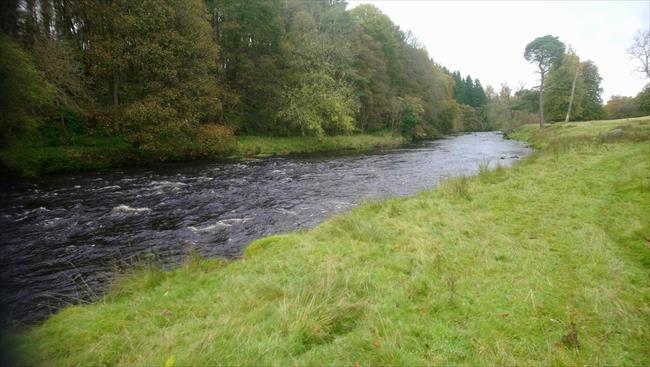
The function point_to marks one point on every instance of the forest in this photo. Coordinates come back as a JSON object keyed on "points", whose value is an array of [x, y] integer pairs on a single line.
{"points": [[181, 79], [178, 72]]}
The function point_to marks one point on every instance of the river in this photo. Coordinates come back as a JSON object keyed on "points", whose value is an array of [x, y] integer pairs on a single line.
{"points": [[64, 237]]}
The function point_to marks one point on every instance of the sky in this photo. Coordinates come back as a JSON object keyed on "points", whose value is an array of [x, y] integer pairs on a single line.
{"points": [[486, 39]]}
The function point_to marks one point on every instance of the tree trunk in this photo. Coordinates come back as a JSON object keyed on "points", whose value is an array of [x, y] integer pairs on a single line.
{"points": [[541, 99], [573, 92]]}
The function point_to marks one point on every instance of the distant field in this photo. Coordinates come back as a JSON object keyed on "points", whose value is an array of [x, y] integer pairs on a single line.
{"points": [[544, 263]]}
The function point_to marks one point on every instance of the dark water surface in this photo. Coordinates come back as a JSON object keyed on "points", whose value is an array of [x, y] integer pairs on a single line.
{"points": [[63, 237]]}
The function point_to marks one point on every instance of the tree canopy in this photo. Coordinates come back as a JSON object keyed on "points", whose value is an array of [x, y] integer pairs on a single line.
{"points": [[148, 69], [545, 51]]}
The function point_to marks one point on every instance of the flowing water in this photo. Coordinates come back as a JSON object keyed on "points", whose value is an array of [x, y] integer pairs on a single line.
{"points": [[63, 237]]}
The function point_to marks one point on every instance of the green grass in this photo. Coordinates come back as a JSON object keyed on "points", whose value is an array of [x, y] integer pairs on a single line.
{"points": [[256, 146], [545, 263], [563, 136], [31, 158]]}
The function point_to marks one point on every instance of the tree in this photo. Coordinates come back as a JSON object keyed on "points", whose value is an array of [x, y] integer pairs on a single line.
{"points": [[468, 84], [412, 113], [252, 57], [505, 111], [545, 51], [478, 95], [372, 83], [573, 87], [559, 86], [152, 56], [640, 50], [380, 27], [35, 25], [573, 92], [460, 88], [316, 100], [62, 68], [108, 29], [317, 106], [25, 93], [619, 107], [434, 87], [398, 84], [150, 70], [504, 98], [643, 100], [468, 91], [526, 100], [592, 103]]}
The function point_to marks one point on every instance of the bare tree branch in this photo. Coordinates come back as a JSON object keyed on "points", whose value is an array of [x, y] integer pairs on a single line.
{"points": [[640, 50]]}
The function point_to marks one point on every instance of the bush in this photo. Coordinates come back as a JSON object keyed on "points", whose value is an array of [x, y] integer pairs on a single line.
{"points": [[619, 107], [181, 139], [147, 114], [469, 120], [215, 139]]}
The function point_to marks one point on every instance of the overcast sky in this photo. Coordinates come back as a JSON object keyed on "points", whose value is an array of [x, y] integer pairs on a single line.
{"points": [[487, 38]]}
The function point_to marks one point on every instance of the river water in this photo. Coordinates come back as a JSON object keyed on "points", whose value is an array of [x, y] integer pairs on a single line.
{"points": [[64, 237]]}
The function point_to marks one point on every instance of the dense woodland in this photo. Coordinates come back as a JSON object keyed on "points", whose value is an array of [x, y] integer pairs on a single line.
{"points": [[167, 73], [160, 72]]}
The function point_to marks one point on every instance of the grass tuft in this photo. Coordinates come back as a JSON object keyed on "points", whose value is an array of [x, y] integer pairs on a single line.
{"points": [[458, 187]]}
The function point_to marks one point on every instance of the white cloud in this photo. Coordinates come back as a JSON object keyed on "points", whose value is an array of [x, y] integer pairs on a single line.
{"points": [[487, 39]]}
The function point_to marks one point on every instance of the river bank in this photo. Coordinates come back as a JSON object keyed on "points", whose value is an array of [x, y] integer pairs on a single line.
{"points": [[543, 263], [94, 223], [34, 158]]}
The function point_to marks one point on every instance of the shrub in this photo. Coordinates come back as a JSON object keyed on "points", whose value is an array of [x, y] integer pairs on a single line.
{"points": [[181, 139], [215, 139], [147, 114]]}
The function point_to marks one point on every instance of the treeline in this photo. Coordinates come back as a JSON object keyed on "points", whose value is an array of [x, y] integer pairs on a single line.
{"points": [[471, 97], [144, 69], [174, 72], [468, 91], [619, 107]]}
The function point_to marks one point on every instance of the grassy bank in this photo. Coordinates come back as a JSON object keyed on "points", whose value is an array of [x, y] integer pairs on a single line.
{"points": [[32, 158], [545, 263], [254, 146]]}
